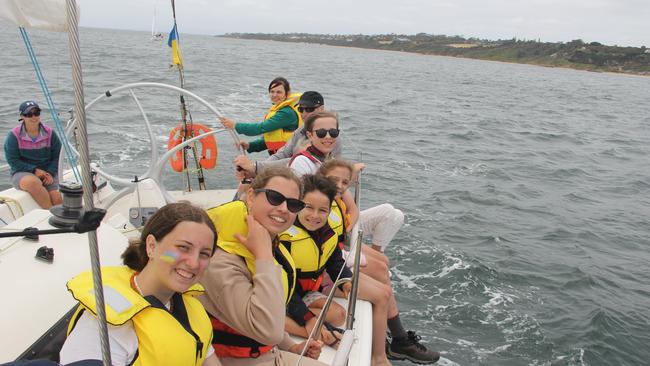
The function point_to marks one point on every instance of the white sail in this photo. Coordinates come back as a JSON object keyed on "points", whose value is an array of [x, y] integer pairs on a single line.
{"points": [[42, 14], [154, 34], [153, 20]]}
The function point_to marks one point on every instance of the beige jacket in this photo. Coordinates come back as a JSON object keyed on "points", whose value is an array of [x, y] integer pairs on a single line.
{"points": [[254, 305]]}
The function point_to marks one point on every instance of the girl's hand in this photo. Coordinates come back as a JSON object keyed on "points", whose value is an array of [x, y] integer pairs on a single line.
{"points": [[227, 123], [347, 287], [242, 144], [258, 240], [313, 348], [326, 337]]}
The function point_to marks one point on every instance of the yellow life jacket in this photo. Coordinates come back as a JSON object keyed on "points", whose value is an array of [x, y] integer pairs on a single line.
{"points": [[309, 258], [179, 337], [229, 219], [336, 219], [275, 139]]}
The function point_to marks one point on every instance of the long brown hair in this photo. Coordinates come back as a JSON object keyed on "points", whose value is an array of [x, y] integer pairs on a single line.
{"points": [[280, 81], [309, 122], [159, 225], [262, 179], [331, 164]]}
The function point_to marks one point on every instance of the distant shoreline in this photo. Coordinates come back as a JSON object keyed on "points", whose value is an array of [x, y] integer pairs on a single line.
{"points": [[576, 55]]}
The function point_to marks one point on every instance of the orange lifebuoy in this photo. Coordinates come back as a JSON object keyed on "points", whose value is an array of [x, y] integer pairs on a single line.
{"points": [[208, 153]]}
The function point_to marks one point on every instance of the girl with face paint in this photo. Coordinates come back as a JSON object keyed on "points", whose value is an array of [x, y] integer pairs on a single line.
{"points": [[153, 316]]}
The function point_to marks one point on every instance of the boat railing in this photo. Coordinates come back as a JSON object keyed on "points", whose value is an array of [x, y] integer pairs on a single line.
{"points": [[157, 163]]}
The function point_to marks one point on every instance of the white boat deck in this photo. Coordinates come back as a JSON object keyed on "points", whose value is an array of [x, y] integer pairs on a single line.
{"points": [[31, 303]]}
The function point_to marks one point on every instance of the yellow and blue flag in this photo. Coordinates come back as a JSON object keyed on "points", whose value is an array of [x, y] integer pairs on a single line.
{"points": [[173, 43]]}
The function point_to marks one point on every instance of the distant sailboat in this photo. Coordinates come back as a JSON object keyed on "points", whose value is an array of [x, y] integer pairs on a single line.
{"points": [[155, 36]]}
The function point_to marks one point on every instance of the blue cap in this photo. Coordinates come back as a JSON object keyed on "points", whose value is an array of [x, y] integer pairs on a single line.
{"points": [[27, 106]]}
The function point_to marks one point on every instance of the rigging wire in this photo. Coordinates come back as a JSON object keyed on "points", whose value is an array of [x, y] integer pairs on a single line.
{"points": [[50, 104]]}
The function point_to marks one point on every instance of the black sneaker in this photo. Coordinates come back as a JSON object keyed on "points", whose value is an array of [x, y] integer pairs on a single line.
{"points": [[388, 354], [411, 349]]}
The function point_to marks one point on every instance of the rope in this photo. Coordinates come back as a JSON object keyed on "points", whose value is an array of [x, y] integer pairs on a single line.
{"points": [[6, 200], [50, 104], [18, 239]]}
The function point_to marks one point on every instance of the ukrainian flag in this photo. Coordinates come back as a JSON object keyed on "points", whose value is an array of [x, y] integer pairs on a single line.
{"points": [[173, 43]]}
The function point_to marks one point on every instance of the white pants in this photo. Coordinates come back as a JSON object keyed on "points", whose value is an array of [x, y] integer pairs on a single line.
{"points": [[382, 223]]}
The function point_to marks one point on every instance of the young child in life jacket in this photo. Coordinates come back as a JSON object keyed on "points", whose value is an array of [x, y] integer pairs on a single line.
{"points": [[314, 247], [303, 242]]}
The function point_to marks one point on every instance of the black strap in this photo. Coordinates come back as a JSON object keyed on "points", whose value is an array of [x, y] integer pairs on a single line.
{"points": [[179, 313], [309, 274], [237, 340], [284, 262], [137, 353], [75, 319]]}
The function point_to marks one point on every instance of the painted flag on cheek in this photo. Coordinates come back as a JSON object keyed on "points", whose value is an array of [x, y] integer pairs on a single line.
{"points": [[169, 257]]}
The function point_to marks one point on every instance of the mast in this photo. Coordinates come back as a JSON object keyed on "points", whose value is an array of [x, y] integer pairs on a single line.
{"points": [[153, 20], [187, 127]]}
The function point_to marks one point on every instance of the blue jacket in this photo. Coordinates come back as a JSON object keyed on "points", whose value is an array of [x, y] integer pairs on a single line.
{"points": [[25, 155]]}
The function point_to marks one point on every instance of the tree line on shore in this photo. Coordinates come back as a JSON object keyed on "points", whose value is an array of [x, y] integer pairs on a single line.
{"points": [[576, 54]]}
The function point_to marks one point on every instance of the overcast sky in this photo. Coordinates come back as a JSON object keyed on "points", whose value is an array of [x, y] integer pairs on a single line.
{"points": [[621, 22]]}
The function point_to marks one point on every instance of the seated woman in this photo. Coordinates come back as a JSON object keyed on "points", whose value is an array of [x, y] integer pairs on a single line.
{"points": [[153, 317], [315, 247], [32, 152], [321, 129], [251, 279], [279, 122], [405, 344]]}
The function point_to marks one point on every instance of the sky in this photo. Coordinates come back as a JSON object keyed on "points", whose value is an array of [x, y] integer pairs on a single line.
{"points": [[611, 22]]}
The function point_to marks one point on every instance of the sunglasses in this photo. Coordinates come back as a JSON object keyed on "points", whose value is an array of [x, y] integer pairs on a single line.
{"points": [[322, 132], [32, 114], [276, 198], [307, 109]]}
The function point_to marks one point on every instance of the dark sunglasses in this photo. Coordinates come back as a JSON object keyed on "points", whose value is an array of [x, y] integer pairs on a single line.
{"points": [[276, 198], [32, 114], [307, 109], [322, 132]]}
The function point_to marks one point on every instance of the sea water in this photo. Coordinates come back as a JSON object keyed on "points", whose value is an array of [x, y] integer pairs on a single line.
{"points": [[526, 190]]}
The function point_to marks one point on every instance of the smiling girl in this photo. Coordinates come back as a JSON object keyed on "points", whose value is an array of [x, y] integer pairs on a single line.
{"points": [[153, 317], [251, 278], [314, 248], [314, 245], [322, 130]]}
